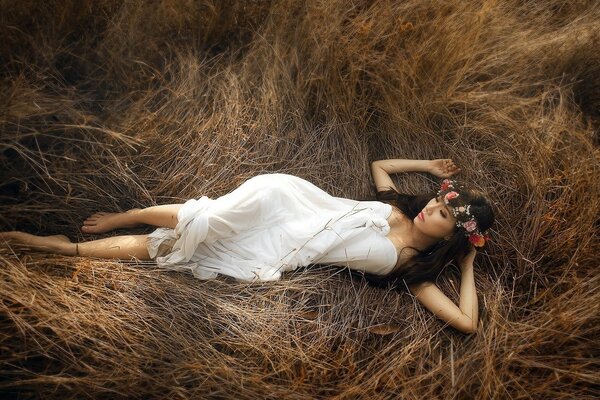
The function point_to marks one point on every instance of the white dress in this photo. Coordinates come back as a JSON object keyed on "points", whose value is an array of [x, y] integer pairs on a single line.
{"points": [[274, 223]]}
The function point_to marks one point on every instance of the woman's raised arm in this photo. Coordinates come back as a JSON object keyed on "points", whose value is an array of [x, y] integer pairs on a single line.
{"points": [[465, 316], [382, 169]]}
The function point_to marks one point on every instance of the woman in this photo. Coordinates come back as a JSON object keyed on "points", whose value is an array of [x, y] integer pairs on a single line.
{"points": [[276, 222]]}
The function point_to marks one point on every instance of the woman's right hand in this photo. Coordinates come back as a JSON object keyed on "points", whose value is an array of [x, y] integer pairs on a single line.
{"points": [[443, 168]]}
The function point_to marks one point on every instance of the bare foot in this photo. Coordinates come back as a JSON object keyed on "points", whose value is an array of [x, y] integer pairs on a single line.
{"points": [[59, 244], [104, 222]]}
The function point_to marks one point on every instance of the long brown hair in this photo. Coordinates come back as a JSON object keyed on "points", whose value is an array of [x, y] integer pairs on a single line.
{"points": [[426, 265]]}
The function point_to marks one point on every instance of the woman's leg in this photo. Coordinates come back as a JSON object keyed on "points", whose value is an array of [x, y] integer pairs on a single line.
{"points": [[163, 216], [122, 247], [117, 247]]}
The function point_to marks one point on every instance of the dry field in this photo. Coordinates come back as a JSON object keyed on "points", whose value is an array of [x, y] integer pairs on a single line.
{"points": [[109, 105]]}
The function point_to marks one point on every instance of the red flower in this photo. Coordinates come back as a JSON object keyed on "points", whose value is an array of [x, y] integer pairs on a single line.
{"points": [[451, 195], [477, 240], [445, 184]]}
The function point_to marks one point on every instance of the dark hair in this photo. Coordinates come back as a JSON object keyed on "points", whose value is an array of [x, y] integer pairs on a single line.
{"points": [[428, 264]]}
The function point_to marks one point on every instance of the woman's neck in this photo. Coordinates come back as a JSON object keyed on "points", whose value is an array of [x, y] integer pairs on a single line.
{"points": [[407, 232], [418, 239]]}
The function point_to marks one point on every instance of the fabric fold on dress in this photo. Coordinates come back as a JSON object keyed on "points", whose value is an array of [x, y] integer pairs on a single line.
{"points": [[274, 223]]}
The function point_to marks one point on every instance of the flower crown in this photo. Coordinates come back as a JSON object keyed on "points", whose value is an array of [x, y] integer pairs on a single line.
{"points": [[461, 210]]}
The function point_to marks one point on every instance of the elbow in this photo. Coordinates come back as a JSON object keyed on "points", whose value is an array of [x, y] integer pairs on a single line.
{"points": [[467, 326], [377, 166], [469, 330]]}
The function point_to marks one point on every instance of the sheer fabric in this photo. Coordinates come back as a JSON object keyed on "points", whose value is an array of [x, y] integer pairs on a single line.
{"points": [[274, 223]]}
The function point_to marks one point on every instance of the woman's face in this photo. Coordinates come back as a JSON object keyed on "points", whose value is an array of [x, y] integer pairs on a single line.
{"points": [[436, 219]]}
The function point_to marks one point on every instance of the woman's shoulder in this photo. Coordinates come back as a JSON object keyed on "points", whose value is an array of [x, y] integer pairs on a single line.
{"points": [[405, 254], [396, 213], [397, 220]]}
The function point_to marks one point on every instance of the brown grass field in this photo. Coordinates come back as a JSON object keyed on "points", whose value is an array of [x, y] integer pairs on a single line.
{"points": [[108, 105]]}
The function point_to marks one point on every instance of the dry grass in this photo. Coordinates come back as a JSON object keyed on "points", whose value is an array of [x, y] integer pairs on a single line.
{"points": [[109, 105]]}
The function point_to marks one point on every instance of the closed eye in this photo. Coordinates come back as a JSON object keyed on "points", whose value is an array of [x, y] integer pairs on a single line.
{"points": [[437, 200]]}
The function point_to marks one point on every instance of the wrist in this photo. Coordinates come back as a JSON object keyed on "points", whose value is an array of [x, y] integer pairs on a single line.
{"points": [[428, 165], [464, 267]]}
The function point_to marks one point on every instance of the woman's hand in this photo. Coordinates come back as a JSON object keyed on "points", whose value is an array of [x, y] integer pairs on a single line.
{"points": [[467, 261], [443, 168]]}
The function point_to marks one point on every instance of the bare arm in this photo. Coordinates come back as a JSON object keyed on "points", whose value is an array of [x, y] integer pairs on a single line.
{"points": [[382, 169], [465, 316]]}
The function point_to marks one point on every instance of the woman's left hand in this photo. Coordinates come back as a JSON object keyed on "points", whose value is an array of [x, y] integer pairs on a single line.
{"points": [[467, 261], [443, 168]]}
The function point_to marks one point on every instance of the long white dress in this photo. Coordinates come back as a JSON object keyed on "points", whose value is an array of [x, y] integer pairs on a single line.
{"points": [[274, 223]]}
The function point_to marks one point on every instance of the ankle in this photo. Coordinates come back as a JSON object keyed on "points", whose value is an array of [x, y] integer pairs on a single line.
{"points": [[132, 217], [68, 249]]}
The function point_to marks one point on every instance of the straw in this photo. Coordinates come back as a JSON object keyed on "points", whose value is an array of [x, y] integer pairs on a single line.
{"points": [[109, 105]]}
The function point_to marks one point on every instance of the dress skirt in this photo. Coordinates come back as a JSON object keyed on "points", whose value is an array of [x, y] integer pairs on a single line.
{"points": [[274, 223]]}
